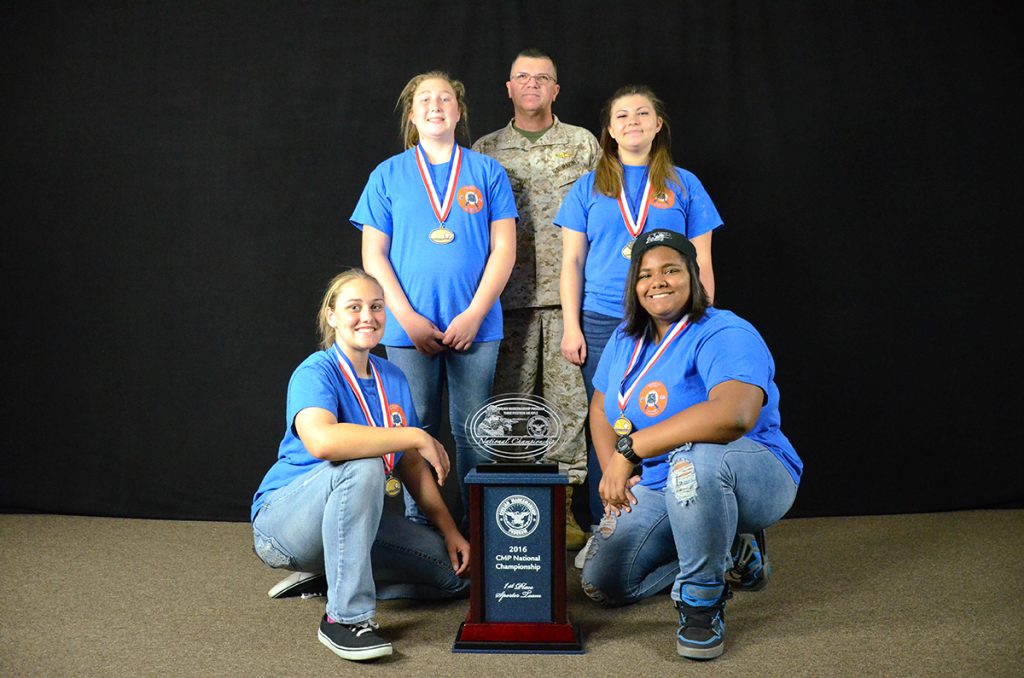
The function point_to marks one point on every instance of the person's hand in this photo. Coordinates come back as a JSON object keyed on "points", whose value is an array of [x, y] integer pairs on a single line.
{"points": [[574, 346], [462, 331], [458, 552], [424, 335], [616, 485], [434, 454]]}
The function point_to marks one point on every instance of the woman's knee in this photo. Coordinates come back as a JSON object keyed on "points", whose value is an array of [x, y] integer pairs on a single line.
{"points": [[271, 552], [607, 587], [602, 578], [601, 585], [365, 474]]}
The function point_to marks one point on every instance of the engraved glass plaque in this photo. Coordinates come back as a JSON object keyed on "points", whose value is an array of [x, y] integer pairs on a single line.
{"points": [[516, 428]]}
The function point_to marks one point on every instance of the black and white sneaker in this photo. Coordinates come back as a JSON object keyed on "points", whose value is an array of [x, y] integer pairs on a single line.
{"points": [[357, 642], [300, 584]]}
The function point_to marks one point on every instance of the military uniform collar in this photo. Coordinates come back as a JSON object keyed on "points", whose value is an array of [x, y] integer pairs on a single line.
{"points": [[511, 138]]}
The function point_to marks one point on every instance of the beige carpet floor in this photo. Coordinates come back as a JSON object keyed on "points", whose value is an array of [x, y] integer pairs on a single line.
{"points": [[913, 595]]}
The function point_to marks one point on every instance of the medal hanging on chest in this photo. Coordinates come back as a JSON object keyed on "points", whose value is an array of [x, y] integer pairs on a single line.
{"points": [[623, 426], [441, 208], [392, 486], [634, 226]]}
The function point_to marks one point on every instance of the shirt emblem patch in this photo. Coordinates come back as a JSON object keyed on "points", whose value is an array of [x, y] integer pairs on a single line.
{"points": [[653, 398], [663, 200], [397, 415], [471, 199]]}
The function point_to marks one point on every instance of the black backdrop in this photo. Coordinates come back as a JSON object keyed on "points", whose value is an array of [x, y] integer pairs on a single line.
{"points": [[178, 178]]}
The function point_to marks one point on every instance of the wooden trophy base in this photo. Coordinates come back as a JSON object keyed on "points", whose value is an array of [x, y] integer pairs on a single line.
{"points": [[521, 637], [517, 601]]}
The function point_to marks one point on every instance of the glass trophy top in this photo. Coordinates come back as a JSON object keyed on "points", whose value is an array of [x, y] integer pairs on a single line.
{"points": [[516, 428]]}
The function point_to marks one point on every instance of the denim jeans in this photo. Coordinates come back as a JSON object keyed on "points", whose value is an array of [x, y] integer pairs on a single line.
{"points": [[469, 376], [597, 329], [682, 535], [332, 519]]}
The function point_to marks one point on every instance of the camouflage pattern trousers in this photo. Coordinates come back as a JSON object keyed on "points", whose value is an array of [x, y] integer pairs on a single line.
{"points": [[530, 361]]}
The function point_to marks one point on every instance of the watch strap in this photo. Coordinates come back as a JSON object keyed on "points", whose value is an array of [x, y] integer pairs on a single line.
{"points": [[627, 450]]}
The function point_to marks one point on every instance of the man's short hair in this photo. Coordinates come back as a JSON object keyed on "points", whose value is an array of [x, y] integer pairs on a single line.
{"points": [[534, 53]]}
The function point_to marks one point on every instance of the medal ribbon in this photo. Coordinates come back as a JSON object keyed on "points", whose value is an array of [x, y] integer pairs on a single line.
{"points": [[441, 209], [676, 330], [353, 383], [635, 227]]}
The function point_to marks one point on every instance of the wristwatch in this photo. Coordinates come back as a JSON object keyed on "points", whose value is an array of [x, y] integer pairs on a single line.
{"points": [[624, 446]]}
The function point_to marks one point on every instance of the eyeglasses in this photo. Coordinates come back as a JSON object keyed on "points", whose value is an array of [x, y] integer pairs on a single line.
{"points": [[541, 78]]}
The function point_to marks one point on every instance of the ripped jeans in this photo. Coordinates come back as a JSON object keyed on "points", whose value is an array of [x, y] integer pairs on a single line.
{"points": [[681, 535]]}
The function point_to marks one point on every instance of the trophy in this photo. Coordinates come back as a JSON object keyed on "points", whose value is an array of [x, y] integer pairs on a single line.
{"points": [[517, 532]]}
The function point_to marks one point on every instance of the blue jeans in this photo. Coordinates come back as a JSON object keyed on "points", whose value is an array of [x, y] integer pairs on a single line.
{"points": [[597, 329], [332, 519], [681, 535], [469, 376]]}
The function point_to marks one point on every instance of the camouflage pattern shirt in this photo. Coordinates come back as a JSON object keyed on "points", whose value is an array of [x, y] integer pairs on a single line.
{"points": [[541, 174]]}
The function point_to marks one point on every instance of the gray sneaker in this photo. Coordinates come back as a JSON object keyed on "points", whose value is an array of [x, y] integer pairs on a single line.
{"points": [[356, 642]]}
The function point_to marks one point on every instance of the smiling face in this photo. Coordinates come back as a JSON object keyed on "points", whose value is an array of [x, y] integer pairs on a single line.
{"points": [[663, 287], [357, 317], [435, 110], [532, 96], [634, 123]]}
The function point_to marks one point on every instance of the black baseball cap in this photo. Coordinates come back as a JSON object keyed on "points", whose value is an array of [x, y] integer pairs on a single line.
{"points": [[663, 237]]}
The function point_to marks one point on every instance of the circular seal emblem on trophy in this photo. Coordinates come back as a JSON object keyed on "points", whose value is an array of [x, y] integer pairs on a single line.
{"points": [[515, 428], [517, 516]]}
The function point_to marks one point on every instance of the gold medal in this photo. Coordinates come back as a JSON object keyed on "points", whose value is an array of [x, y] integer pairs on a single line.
{"points": [[622, 426], [393, 487], [627, 251], [441, 236]]}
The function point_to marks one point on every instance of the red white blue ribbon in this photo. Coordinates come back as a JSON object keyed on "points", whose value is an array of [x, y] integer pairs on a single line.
{"points": [[675, 331], [635, 226], [382, 398], [441, 208]]}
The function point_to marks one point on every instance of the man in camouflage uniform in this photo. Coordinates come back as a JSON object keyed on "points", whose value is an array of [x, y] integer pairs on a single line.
{"points": [[543, 157]]}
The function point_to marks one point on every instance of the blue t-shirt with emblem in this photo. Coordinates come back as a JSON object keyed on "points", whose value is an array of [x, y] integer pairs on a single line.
{"points": [[438, 280], [719, 347], [318, 382], [685, 208]]}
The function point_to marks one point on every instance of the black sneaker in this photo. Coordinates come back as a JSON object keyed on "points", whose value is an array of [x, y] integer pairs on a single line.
{"points": [[357, 642], [751, 568], [701, 633]]}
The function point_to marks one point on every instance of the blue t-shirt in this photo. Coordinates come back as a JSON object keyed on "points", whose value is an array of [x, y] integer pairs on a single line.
{"points": [[318, 382], [685, 208], [719, 347], [439, 280]]}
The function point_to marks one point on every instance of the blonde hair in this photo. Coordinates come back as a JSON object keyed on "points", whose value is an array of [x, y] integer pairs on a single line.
{"points": [[410, 135], [326, 332], [608, 173]]}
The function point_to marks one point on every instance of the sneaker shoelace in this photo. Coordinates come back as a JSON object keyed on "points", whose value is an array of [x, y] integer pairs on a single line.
{"points": [[365, 627], [745, 558], [703, 618]]}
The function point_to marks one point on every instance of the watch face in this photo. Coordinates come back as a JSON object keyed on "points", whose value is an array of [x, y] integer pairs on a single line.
{"points": [[623, 443]]}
